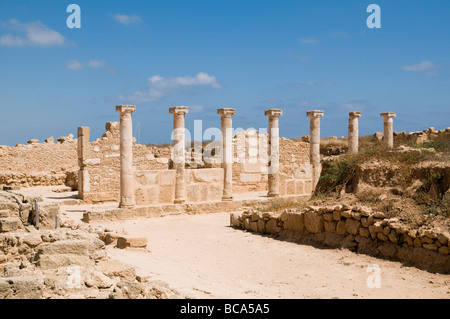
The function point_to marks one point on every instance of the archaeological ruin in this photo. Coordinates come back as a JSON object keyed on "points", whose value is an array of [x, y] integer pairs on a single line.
{"points": [[324, 191]]}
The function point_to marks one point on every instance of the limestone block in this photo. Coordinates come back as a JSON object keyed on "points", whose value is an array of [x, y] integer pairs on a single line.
{"points": [[313, 222], [251, 167], [341, 228], [250, 178], [352, 226], [295, 221], [167, 177], [54, 261], [115, 268], [300, 187], [271, 226], [27, 287], [166, 194], [147, 177], [10, 224], [234, 220], [131, 242], [330, 226], [261, 226], [208, 175]]}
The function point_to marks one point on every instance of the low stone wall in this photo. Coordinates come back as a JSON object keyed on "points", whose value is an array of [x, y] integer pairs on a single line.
{"points": [[158, 186], [421, 136], [38, 164], [356, 228]]}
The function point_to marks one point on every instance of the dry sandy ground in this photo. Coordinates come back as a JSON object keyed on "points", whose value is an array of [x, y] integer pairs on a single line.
{"points": [[202, 257]]}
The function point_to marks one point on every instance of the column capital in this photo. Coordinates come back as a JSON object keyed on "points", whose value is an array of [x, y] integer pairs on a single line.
{"points": [[125, 108], [388, 114], [226, 111], [315, 113], [273, 112], [178, 110], [354, 114]]}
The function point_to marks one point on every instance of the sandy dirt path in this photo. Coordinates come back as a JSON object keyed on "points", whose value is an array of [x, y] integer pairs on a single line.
{"points": [[202, 257]]}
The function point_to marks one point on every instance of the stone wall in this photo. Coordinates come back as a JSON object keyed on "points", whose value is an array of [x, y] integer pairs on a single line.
{"points": [[100, 163], [38, 164], [100, 168], [158, 186], [420, 136], [250, 168], [357, 228]]}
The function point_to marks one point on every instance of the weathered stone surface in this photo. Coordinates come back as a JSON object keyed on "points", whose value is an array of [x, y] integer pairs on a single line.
{"points": [[131, 242], [234, 220], [346, 213], [261, 226], [341, 228], [70, 246], [364, 232], [10, 224], [352, 226], [27, 287], [254, 227], [33, 239], [63, 260], [444, 250], [337, 215], [313, 222], [330, 226], [98, 279], [295, 221], [271, 226], [328, 217], [430, 246], [115, 268]]}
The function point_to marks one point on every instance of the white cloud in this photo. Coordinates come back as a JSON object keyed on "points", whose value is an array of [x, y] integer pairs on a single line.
{"points": [[356, 105], [76, 65], [32, 34], [311, 40], [127, 19], [422, 66], [195, 108], [96, 64], [159, 87]]}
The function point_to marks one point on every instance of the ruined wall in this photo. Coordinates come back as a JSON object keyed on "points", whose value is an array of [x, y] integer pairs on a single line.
{"points": [[100, 163], [100, 168], [35, 164], [158, 186], [250, 168], [357, 228]]}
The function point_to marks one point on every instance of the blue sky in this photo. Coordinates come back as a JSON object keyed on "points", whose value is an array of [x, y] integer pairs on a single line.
{"points": [[250, 55]]}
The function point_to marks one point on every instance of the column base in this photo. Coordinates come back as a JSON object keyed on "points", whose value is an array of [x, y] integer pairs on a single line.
{"points": [[227, 198], [179, 201], [273, 195], [126, 206]]}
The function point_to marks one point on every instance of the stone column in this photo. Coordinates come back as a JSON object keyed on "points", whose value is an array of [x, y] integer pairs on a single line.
{"points": [[83, 149], [226, 123], [274, 152], [388, 138], [179, 152], [314, 140], [353, 132], [127, 198]]}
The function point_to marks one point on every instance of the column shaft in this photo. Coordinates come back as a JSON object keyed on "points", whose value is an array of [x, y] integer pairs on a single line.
{"points": [[388, 138], [226, 122], [179, 152], [314, 136], [353, 132], [274, 152], [127, 197]]}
